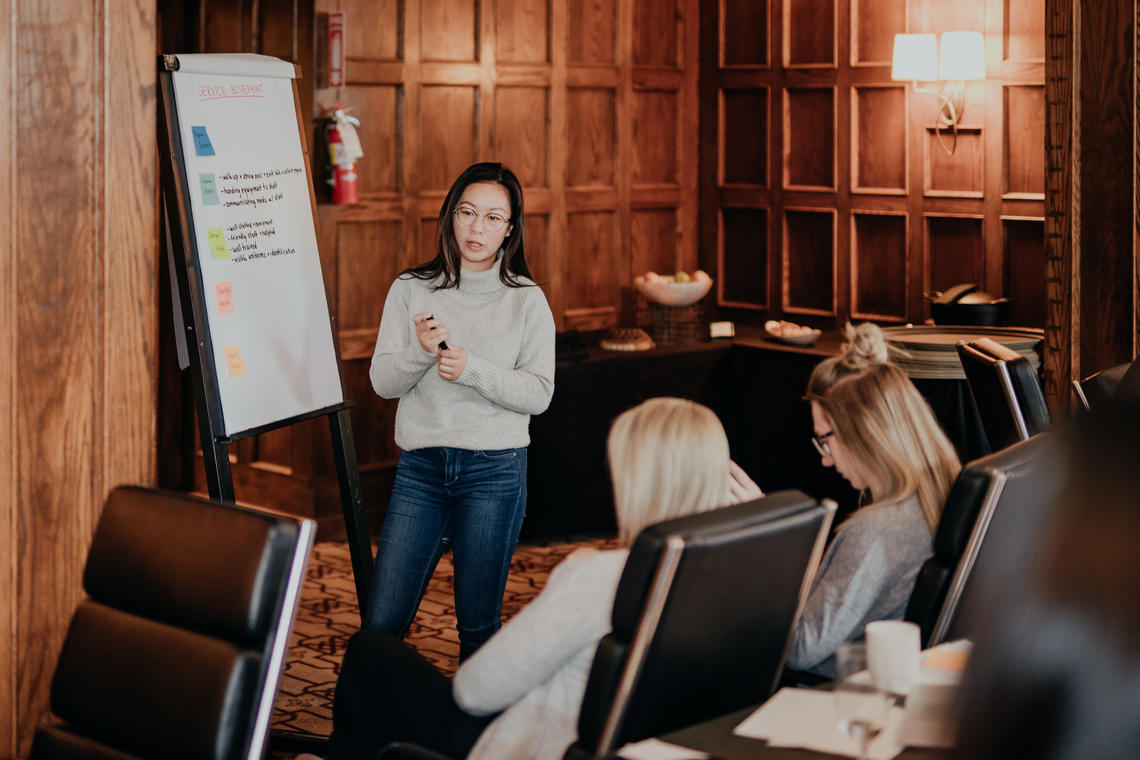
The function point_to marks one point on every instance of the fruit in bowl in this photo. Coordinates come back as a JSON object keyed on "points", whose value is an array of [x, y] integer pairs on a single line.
{"points": [[680, 289], [790, 332]]}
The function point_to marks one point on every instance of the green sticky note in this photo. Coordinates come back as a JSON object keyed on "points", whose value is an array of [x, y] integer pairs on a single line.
{"points": [[218, 243], [209, 190]]}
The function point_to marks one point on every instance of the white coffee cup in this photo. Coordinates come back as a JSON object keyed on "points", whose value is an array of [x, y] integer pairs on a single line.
{"points": [[893, 655]]}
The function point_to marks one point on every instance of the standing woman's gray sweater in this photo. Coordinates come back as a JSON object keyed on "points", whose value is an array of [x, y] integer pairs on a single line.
{"points": [[509, 336]]}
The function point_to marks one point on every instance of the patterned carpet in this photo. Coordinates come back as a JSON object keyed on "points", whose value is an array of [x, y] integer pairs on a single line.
{"points": [[328, 615]]}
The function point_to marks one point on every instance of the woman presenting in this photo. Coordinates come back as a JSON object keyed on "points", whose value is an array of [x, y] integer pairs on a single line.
{"points": [[466, 343]]}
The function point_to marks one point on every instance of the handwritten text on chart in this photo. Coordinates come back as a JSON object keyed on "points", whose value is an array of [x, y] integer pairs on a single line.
{"points": [[245, 238], [252, 189], [217, 91]]}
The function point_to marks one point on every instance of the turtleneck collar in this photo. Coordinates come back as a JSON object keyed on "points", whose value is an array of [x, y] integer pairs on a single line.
{"points": [[474, 282]]}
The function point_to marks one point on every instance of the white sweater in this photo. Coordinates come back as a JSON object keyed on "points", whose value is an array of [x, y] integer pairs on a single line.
{"points": [[536, 666], [509, 336]]}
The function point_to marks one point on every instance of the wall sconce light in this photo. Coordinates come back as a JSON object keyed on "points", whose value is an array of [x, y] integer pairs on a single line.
{"points": [[961, 56]]}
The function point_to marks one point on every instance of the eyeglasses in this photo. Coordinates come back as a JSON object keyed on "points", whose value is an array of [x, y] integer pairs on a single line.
{"points": [[492, 221], [821, 444]]}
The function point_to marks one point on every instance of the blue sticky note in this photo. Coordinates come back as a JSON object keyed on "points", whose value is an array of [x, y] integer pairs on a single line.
{"points": [[202, 144], [209, 190]]}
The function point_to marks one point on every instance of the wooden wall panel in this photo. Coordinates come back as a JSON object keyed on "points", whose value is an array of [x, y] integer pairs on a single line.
{"points": [[743, 273], [809, 261], [963, 15], [370, 30], [522, 31], [57, 359], [592, 137], [655, 41], [878, 161], [1024, 25], [592, 34], [380, 169], [955, 253], [1025, 269], [809, 32], [10, 706], [1107, 225], [368, 253], [538, 250], [809, 137], [744, 29], [79, 314], [448, 124], [871, 148], [879, 270], [960, 174], [744, 145], [1024, 137], [655, 137], [448, 30], [520, 138], [655, 235], [594, 273], [874, 24]]}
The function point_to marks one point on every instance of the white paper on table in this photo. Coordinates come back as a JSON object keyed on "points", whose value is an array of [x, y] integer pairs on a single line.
{"points": [[806, 718], [655, 749]]}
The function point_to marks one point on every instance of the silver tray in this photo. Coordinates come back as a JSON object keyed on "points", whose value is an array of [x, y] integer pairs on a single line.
{"points": [[933, 352]]}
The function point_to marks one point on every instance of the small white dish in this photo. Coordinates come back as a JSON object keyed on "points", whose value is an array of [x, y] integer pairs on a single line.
{"points": [[669, 293], [772, 327]]}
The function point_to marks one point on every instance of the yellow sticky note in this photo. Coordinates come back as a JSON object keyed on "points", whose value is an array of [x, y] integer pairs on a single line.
{"points": [[234, 364], [218, 243]]}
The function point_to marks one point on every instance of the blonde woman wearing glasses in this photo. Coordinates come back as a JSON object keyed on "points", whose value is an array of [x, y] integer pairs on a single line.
{"points": [[466, 343], [873, 426]]}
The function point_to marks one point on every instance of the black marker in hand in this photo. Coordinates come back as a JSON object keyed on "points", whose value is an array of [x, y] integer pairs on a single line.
{"points": [[442, 343]]}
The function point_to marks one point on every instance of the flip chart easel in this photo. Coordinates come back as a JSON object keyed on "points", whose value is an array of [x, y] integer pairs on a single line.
{"points": [[252, 320]]}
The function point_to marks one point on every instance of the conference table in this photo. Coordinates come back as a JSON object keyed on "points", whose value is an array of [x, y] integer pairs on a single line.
{"points": [[715, 737]]}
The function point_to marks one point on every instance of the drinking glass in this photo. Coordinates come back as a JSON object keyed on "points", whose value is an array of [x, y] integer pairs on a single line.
{"points": [[860, 707]]}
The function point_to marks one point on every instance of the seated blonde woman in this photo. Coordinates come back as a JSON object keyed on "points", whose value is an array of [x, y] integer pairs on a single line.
{"points": [[520, 694], [873, 426]]}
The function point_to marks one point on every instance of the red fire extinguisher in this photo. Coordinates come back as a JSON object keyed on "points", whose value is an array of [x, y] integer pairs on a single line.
{"points": [[344, 148]]}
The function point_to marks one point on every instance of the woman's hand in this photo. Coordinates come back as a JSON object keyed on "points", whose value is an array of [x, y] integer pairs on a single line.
{"points": [[451, 364], [430, 331], [742, 487]]}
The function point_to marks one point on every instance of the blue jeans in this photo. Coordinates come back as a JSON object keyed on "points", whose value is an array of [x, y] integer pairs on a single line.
{"points": [[475, 498]]}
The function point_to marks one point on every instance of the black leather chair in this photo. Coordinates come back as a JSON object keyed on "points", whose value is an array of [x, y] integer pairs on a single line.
{"points": [[177, 650], [702, 620], [983, 486], [1096, 389], [1006, 392]]}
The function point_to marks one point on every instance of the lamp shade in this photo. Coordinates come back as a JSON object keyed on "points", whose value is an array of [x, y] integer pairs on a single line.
{"points": [[915, 58], [962, 56]]}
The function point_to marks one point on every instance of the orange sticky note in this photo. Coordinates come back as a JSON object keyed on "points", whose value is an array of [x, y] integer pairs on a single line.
{"points": [[225, 293], [946, 659], [234, 363]]}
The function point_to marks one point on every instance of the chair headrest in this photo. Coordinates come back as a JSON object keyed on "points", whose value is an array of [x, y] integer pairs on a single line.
{"points": [[718, 526], [189, 562]]}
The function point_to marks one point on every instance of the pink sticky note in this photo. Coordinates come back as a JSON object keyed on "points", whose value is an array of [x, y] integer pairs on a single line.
{"points": [[225, 293]]}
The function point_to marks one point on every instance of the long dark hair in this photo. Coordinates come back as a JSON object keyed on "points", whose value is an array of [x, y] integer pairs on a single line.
{"points": [[446, 263]]}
